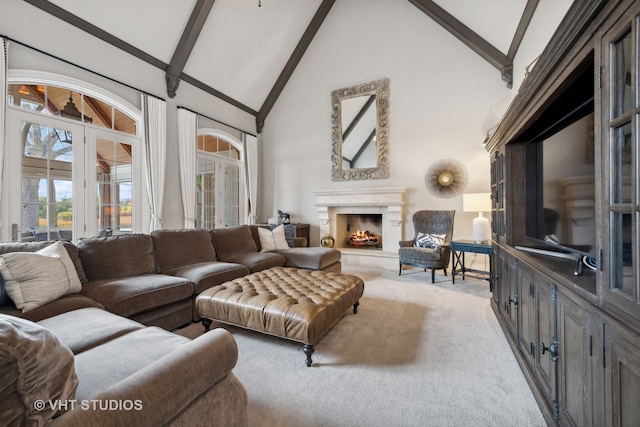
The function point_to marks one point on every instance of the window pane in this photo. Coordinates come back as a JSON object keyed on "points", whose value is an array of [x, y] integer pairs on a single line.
{"points": [[622, 75], [622, 254], [206, 194], [101, 114], [622, 167], [114, 178], [124, 123], [232, 195], [63, 196]]}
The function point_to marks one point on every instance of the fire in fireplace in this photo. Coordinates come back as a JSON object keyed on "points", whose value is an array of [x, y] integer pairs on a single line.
{"points": [[363, 239], [360, 231]]}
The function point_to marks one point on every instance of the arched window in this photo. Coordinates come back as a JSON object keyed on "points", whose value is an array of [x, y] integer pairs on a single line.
{"points": [[219, 180], [74, 163]]}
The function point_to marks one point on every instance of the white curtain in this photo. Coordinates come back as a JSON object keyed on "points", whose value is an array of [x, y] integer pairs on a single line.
{"points": [[154, 112], [187, 139], [4, 51], [251, 172]]}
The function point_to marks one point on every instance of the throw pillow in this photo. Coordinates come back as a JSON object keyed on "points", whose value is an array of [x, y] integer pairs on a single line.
{"points": [[272, 240], [36, 367], [34, 279], [431, 241]]}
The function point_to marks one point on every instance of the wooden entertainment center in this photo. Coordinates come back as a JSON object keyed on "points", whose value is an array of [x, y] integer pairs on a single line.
{"points": [[576, 336]]}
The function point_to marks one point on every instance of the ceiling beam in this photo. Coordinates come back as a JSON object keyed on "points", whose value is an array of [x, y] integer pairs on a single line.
{"points": [[85, 26], [185, 45], [463, 33], [296, 56], [527, 15]]}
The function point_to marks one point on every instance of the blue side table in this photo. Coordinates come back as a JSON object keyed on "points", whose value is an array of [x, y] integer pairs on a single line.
{"points": [[459, 247]]}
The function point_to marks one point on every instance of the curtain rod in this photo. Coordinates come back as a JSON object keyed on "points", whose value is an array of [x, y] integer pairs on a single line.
{"points": [[211, 118], [79, 66]]}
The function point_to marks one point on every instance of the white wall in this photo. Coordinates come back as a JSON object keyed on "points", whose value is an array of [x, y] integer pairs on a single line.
{"points": [[442, 95]]}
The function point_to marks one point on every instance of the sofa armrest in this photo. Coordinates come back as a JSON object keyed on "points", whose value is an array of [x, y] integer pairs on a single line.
{"points": [[299, 242], [164, 388]]}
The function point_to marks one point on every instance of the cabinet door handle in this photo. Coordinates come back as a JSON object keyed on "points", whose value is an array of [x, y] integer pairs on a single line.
{"points": [[514, 301], [552, 349]]}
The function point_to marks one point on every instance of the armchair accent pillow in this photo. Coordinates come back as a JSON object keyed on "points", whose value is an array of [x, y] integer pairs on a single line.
{"points": [[431, 241], [272, 240], [32, 279]]}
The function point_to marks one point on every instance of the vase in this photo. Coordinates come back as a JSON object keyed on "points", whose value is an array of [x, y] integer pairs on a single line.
{"points": [[327, 241]]}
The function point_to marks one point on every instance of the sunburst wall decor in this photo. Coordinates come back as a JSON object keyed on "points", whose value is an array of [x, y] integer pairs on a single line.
{"points": [[446, 178]]}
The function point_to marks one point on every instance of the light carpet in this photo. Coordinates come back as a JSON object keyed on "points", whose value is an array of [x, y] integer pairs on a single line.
{"points": [[415, 354]]}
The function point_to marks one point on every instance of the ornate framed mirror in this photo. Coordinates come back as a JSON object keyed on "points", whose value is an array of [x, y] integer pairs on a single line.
{"points": [[360, 132]]}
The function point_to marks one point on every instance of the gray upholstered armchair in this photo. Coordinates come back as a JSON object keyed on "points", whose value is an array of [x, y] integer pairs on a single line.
{"points": [[430, 248]]}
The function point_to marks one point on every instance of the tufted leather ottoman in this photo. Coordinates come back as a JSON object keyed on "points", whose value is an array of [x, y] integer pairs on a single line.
{"points": [[297, 304]]}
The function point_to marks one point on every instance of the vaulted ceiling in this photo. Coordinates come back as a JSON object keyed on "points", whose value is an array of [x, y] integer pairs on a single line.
{"points": [[244, 51]]}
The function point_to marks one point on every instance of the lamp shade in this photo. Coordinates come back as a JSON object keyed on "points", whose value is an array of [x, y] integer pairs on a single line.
{"points": [[476, 202]]}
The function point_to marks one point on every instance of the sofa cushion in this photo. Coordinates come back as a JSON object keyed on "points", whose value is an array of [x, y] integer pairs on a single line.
{"points": [[113, 257], [310, 258], [177, 248], [86, 328], [3, 293], [34, 279], [207, 274], [127, 296], [34, 366], [105, 365], [61, 305], [258, 261], [8, 247], [229, 242]]}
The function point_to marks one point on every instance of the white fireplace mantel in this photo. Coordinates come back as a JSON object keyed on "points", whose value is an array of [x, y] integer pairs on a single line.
{"points": [[388, 201]]}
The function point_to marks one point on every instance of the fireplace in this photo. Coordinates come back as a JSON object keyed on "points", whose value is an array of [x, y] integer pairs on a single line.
{"points": [[337, 210], [359, 231]]}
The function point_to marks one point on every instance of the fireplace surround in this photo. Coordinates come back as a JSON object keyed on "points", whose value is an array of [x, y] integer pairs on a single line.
{"points": [[388, 202]]}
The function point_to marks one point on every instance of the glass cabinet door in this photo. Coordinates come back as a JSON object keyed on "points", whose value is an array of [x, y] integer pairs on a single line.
{"points": [[621, 208]]}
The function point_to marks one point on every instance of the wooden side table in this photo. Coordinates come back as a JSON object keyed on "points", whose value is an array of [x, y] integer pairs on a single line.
{"points": [[459, 248]]}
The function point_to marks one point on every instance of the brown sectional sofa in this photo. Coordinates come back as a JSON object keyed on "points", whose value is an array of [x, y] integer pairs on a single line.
{"points": [[104, 345], [101, 369], [155, 278]]}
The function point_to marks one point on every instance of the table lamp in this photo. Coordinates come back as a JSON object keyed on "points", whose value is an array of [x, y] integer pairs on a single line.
{"points": [[478, 202]]}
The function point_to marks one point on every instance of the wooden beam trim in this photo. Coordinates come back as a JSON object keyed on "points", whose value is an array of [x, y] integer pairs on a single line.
{"points": [[85, 26], [197, 83], [114, 41], [525, 20], [463, 33], [188, 39], [292, 63]]}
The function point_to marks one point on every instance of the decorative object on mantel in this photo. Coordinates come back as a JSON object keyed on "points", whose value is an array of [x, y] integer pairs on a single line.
{"points": [[478, 202], [327, 241], [285, 217], [446, 178]]}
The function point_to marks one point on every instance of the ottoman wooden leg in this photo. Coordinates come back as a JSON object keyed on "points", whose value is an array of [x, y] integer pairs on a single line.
{"points": [[355, 307], [308, 350], [207, 324]]}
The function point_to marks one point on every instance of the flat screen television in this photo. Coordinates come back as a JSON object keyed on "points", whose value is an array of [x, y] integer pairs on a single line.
{"points": [[559, 171]]}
